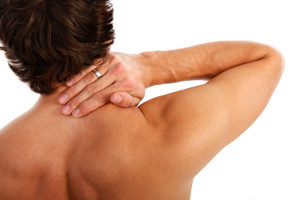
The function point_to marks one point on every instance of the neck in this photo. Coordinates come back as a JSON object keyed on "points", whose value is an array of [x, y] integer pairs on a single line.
{"points": [[52, 98]]}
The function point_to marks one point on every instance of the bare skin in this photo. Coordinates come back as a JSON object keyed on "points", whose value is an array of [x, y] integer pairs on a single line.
{"points": [[148, 152]]}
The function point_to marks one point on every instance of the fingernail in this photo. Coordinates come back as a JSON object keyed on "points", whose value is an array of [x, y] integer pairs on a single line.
{"points": [[70, 82], [117, 99], [76, 112], [66, 109], [63, 98]]}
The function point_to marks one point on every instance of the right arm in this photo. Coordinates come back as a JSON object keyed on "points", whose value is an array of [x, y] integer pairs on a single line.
{"points": [[243, 76]]}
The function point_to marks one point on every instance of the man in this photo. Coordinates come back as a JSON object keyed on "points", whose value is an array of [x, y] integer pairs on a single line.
{"points": [[148, 152]]}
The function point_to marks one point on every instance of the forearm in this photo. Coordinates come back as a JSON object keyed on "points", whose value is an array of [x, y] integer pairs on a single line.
{"points": [[203, 61]]}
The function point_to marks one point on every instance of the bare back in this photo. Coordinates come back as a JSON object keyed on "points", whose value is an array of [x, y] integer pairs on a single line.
{"points": [[114, 153]]}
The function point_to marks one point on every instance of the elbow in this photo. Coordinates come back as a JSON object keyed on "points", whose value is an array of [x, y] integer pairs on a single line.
{"points": [[279, 59], [276, 59]]}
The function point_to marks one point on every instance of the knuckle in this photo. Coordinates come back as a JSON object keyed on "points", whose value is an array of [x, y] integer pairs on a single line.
{"points": [[128, 82], [99, 98], [89, 78], [119, 69], [127, 102], [91, 89], [74, 103], [85, 109], [70, 92]]}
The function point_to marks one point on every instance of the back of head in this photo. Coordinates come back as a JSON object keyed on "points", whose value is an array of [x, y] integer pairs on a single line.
{"points": [[48, 41]]}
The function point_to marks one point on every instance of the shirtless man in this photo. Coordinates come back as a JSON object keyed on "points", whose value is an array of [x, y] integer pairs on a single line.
{"points": [[150, 152]]}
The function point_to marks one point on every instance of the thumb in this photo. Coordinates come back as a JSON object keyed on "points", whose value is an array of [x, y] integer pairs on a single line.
{"points": [[124, 99]]}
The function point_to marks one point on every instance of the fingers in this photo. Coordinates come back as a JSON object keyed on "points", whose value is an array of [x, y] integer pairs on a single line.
{"points": [[96, 101], [88, 79], [79, 76], [124, 99], [102, 98], [75, 79], [88, 92]]}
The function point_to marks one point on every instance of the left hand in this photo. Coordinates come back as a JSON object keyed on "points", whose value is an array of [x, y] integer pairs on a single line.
{"points": [[122, 76]]}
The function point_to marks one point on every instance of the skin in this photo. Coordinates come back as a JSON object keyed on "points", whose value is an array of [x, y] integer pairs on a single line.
{"points": [[148, 152]]}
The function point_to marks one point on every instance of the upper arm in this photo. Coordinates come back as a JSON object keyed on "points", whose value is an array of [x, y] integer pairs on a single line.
{"points": [[201, 120]]}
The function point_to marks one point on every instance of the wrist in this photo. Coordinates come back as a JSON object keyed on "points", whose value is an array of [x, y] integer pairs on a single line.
{"points": [[143, 61]]}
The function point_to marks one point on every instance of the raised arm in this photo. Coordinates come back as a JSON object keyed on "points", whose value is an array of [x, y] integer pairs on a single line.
{"points": [[198, 122], [204, 61]]}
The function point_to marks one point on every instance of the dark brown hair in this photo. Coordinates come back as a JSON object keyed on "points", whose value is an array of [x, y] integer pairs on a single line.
{"points": [[48, 41]]}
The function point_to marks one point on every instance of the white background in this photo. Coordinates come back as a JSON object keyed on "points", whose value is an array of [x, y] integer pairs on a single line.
{"points": [[263, 163]]}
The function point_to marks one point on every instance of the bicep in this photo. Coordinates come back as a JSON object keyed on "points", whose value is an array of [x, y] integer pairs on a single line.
{"points": [[244, 92], [232, 100], [198, 122]]}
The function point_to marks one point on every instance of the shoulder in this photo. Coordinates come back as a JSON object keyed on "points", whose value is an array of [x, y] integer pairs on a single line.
{"points": [[17, 148], [111, 116], [19, 163]]}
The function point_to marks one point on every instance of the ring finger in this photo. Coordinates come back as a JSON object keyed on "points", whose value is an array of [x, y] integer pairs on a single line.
{"points": [[89, 91], [88, 79]]}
